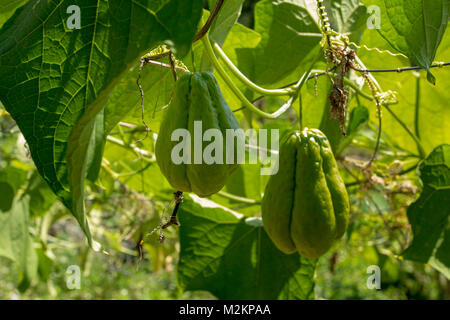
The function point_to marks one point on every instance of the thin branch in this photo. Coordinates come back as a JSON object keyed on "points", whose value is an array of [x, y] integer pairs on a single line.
{"points": [[238, 93], [165, 65], [408, 130], [235, 70], [130, 146], [377, 145], [173, 67], [178, 197], [238, 198], [158, 56], [209, 22], [314, 76], [359, 182], [128, 125], [399, 70], [141, 91], [380, 212], [300, 112], [151, 60]]}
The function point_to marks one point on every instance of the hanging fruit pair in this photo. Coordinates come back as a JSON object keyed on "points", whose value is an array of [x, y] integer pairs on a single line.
{"points": [[305, 206]]}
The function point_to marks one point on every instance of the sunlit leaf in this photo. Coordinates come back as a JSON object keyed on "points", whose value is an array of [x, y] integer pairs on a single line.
{"points": [[430, 216], [414, 28], [289, 33], [233, 258]]}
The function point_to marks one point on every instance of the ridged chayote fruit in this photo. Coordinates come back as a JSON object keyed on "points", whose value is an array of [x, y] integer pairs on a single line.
{"points": [[197, 97], [305, 206]]}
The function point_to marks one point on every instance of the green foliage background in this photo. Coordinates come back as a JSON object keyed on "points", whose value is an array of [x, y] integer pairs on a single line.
{"points": [[70, 109]]}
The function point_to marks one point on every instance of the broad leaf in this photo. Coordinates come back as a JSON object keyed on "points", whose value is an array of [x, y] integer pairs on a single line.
{"points": [[96, 145], [233, 258], [414, 28], [347, 16], [289, 33], [433, 114], [52, 76], [225, 20], [430, 216]]}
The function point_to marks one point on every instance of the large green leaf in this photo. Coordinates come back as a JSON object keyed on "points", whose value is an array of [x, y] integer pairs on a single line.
{"points": [[414, 28], [239, 47], [430, 215], [289, 33], [347, 16], [433, 113], [55, 81], [233, 258], [225, 20]]}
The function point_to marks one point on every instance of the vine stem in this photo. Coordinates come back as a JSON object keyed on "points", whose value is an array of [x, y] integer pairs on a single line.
{"points": [[399, 70], [412, 135], [377, 145], [267, 92], [210, 53], [178, 197], [416, 114], [210, 20], [300, 112], [130, 147], [359, 182], [352, 85], [165, 65], [375, 87], [237, 198]]}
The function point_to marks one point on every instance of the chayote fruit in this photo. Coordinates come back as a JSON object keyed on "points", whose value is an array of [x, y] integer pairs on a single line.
{"points": [[197, 97], [305, 207]]}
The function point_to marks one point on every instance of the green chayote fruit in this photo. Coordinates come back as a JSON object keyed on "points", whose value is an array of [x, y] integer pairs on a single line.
{"points": [[305, 206], [197, 99]]}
